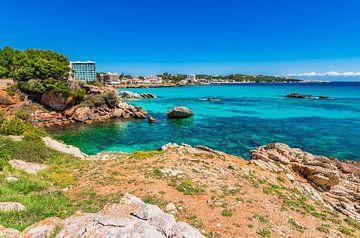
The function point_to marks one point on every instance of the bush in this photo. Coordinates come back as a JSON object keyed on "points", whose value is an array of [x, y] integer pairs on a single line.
{"points": [[79, 94], [5, 156], [30, 151], [110, 99], [12, 127], [11, 91], [4, 100], [22, 115], [2, 117]]}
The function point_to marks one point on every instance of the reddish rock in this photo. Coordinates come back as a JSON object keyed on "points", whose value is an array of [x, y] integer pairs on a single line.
{"points": [[55, 101]]}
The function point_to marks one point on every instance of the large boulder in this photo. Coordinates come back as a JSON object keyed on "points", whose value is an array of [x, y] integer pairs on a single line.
{"points": [[61, 147], [11, 207], [82, 114], [55, 101], [179, 112]]}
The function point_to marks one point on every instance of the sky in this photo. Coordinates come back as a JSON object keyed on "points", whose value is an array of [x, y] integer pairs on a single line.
{"points": [[143, 37]]}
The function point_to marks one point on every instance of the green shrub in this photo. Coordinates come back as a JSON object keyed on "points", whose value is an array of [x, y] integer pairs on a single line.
{"points": [[110, 99], [11, 91], [31, 135], [22, 115], [13, 127], [2, 117], [79, 94], [187, 187], [27, 150], [5, 156], [4, 100], [27, 185]]}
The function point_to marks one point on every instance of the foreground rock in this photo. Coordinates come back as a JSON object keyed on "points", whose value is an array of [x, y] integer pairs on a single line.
{"points": [[298, 95], [333, 182], [130, 218], [56, 102], [11, 207], [27, 167], [131, 95], [61, 147], [179, 112]]}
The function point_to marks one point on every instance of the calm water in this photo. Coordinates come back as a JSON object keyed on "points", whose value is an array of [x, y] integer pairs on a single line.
{"points": [[246, 116]]}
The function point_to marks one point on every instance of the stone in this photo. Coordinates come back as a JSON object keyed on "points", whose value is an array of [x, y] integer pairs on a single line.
{"points": [[170, 208], [11, 179], [42, 229], [11, 207], [131, 95], [151, 119], [8, 232], [130, 218], [335, 183], [56, 102], [298, 95], [69, 112], [27, 167], [61, 147], [82, 114], [179, 112]]}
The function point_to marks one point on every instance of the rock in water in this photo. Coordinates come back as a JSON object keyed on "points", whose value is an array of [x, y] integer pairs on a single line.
{"points": [[55, 101], [298, 95], [179, 112], [130, 95]]}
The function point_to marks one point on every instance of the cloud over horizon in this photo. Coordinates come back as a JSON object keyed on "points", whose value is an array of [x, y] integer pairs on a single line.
{"points": [[330, 74]]}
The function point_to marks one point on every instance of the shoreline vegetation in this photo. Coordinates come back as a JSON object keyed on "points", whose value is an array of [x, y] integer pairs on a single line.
{"points": [[50, 189]]}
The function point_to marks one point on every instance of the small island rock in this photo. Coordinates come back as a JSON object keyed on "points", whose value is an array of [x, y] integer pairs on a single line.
{"points": [[179, 112]]}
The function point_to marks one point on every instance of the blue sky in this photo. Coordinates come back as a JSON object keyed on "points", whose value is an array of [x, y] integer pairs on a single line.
{"points": [[191, 36]]}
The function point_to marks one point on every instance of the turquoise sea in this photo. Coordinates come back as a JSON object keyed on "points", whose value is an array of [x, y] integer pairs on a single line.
{"points": [[246, 116]]}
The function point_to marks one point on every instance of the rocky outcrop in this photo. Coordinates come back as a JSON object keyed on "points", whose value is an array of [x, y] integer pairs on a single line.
{"points": [[335, 183], [11, 207], [55, 101], [179, 112], [130, 218], [61, 147], [298, 95], [27, 167], [131, 95]]}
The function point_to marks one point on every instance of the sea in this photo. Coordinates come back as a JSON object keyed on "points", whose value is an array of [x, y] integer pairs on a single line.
{"points": [[245, 116]]}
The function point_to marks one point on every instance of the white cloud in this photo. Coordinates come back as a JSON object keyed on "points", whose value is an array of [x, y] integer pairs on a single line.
{"points": [[330, 73]]}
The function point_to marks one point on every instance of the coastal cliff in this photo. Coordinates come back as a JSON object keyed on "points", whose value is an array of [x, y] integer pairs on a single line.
{"points": [[280, 192]]}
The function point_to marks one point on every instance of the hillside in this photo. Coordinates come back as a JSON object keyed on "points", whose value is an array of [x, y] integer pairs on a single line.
{"points": [[219, 194]]}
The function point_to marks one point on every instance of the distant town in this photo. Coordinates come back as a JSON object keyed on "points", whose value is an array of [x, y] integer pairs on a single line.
{"points": [[86, 71]]}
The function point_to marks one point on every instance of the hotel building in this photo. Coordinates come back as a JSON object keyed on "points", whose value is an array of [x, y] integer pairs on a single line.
{"points": [[83, 70]]}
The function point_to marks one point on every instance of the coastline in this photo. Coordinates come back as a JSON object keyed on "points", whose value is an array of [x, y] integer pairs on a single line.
{"points": [[212, 83]]}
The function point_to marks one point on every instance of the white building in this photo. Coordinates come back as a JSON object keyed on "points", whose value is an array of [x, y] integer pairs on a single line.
{"points": [[109, 78], [191, 77]]}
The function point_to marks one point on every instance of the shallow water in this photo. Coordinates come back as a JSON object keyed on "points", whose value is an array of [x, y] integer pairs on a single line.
{"points": [[246, 116]]}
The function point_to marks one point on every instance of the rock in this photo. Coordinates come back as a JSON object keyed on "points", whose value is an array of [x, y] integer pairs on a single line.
{"points": [[151, 119], [333, 182], [82, 114], [118, 113], [171, 208], [179, 112], [131, 95], [91, 89], [15, 138], [11, 207], [11, 179], [8, 232], [130, 218], [139, 115], [55, 101], [42, 229], [69, 112], [61, 147], [298, 95], [28, 167]]}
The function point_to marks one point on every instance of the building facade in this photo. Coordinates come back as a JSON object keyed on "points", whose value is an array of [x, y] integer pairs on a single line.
{"points": [[83, 70], [109, 78], [191, 77]]}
